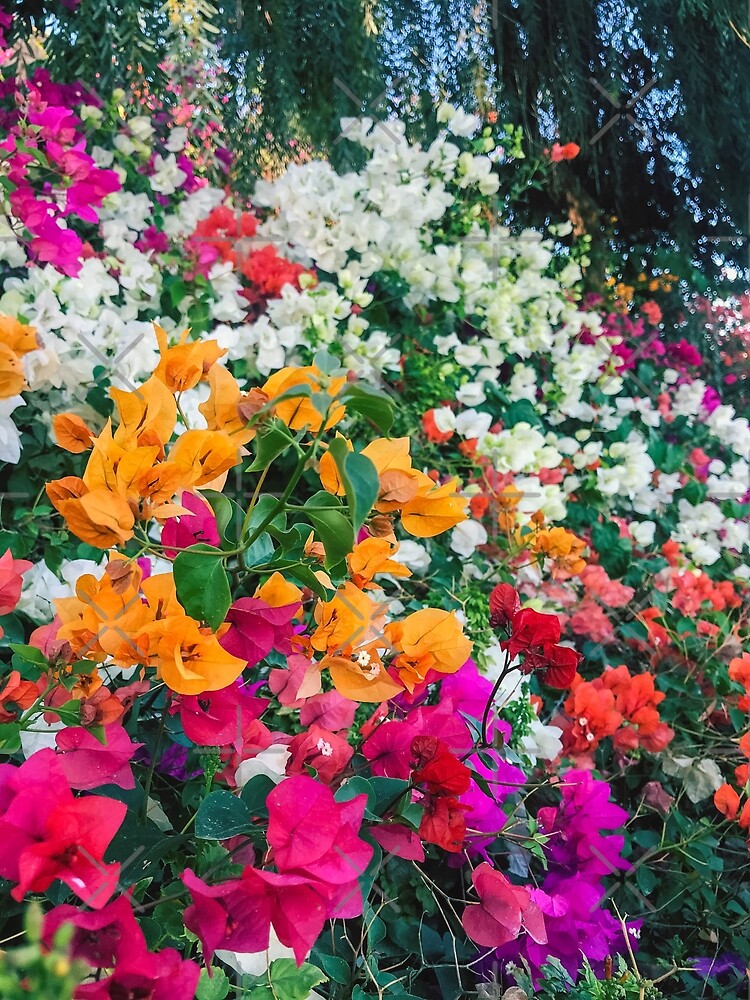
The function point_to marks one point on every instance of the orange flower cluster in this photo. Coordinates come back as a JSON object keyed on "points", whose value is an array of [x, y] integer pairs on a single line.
{"points": [[16, 340], [129, 476], [617, 704], [426, 509], [355, 640], [560, 546], [130, 622]]}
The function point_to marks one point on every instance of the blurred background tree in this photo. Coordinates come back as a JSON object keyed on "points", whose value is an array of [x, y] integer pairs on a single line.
{"points": [[653, 91]]}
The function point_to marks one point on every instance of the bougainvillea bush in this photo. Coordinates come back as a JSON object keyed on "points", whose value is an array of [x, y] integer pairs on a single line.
{"points": [[373, 588]]}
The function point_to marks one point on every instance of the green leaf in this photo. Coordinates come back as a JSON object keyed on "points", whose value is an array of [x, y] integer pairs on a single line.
{"points": [[369, 403], [222, 508], [334, 967], [30, 654], [269, 443], [331, 526], [292, 983], [255, 793], [304, 575], [215, 987], [360, 479], [202, 584], [221, 815], [387, 792]]}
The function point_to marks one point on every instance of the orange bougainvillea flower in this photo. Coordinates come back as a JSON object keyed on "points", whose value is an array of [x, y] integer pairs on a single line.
{"points": [[18, 695], [202, 456], [72, 433], [12, 377], [349, 620], [361, 677], [372, 557], [426, 640], [593, 715], [21, 339], [727, 801], [151, 407], [129, 476], [278, 592], [225, 406], [299, 412], [190, 660], [106, 619], [187, 363], [426, 509], [98, 517], [433, 510], [329, 471], [15, 341], [561, 546], [129, 621]]}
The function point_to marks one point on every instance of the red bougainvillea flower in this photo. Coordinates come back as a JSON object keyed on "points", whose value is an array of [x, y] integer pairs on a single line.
{"points": [[443, 822], [503, 911], [534, 637], [504, 605], [48, 834], [437, 768], [567, 152], [531, 632]]}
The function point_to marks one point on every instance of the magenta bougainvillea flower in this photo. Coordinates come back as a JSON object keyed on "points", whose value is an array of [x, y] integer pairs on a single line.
{"points": [[220, 718], [88, 763], [503, 912], [256, 628], [189, 529]]}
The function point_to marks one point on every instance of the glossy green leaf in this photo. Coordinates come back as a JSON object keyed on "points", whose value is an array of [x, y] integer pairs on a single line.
{"points": [[202, 584]]}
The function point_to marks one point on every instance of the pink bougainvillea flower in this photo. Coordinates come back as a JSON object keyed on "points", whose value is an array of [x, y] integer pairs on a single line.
{"points": [[503, 911], [226, 915], [313, 834], [320, 749], [331, 710], [101, 937], [48, 834], [11, 580], [45, 640], [57, 246], [395, 838], [161, 975], [220, 718], [88, 763], [189, 529], [112, 939], [256, 628]]}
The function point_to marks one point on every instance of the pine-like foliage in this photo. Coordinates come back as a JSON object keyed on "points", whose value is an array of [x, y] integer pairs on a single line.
{"points": [[654, 91]]}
